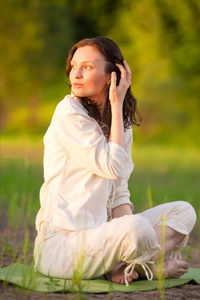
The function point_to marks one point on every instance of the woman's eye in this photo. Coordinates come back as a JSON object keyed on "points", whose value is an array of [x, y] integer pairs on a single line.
{"points": [[73, 67], [88, 67]]}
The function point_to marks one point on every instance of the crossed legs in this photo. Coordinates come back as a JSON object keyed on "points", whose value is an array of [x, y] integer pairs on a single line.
{"points": [[124, 242], [172, 268]]}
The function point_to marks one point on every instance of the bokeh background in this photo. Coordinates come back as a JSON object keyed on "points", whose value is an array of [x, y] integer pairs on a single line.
{"points": [[159, 38]]}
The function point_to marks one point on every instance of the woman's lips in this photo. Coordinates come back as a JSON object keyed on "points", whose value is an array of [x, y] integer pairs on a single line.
{"points": [[77, 85]]}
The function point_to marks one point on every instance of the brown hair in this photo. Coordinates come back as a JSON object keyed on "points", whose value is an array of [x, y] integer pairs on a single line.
{"points": [[112, 55]]}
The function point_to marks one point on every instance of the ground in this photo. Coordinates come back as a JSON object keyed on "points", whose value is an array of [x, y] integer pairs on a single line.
{"points": [[10, 291]]}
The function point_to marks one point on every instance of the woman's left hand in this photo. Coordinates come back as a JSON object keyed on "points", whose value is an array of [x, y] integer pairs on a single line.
{"points": [[117, 93]]}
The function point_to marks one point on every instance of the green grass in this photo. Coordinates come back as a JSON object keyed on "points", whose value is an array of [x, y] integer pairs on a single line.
{"points": [[20, 184], [168, 174], [161, 174]]}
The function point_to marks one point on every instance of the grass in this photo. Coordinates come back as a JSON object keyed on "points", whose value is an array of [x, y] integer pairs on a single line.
{"points": [[20, 184], [164, 174], [161, 174], [161, 259]]}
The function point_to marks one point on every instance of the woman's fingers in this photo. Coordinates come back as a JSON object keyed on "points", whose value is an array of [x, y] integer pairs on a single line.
{"points": [[113, 78], [113, 81], [127, 67], [128, 70], [122, 70], [125, 73], [119, 92], [113, 85]]}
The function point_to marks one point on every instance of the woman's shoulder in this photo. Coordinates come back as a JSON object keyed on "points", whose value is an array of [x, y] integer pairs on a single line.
{"points": [[70, 105]]}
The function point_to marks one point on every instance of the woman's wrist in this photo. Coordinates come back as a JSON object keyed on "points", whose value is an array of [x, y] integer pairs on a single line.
{"points": [[117, 126], [117, 107]]}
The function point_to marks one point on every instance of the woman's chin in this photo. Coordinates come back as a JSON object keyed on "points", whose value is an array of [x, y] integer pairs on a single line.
{"points": [[78, 93]]}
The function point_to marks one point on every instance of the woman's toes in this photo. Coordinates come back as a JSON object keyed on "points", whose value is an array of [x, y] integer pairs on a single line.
{"points": [[117, 275], [122, 281], [185, 266], [175, 268], [134, 275]]}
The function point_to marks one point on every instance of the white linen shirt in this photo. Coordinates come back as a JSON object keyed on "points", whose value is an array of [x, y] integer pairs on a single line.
{"points": [[84, 173]]}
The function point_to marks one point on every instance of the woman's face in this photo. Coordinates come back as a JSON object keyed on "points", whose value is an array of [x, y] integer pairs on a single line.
{"points": [[87, 75]]}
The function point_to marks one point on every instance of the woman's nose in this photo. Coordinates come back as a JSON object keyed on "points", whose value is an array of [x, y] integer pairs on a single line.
{"points": [[78, 73]]}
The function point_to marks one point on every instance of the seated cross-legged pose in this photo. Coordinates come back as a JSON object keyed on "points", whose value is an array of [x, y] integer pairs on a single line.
{"points": [[86, 222]]}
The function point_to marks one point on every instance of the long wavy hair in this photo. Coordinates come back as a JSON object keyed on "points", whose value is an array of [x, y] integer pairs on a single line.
{"points": [[112, 55]]}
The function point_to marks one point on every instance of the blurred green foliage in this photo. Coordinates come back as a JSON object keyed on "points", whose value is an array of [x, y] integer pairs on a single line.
{"points": [[159, 39]]}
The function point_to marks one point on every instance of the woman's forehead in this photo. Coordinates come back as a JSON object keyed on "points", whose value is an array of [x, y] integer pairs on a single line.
{"points": [[87, 53]]}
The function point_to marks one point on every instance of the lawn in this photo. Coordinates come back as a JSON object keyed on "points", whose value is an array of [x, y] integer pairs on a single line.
{"points": [[165, 174], [161, 174]]}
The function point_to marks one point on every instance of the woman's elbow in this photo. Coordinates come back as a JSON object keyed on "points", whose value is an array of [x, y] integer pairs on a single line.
{"points": [[116, 171]]}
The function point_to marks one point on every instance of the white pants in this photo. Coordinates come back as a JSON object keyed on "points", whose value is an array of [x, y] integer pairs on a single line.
{"points": [[93, 252]]}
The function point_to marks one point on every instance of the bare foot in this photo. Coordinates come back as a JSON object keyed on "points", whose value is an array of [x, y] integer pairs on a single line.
{"points": [[117, 274], [174, 268]]}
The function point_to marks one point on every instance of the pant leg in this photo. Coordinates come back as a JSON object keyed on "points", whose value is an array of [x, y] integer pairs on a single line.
{"points": [[178, 215], [95, 251]]}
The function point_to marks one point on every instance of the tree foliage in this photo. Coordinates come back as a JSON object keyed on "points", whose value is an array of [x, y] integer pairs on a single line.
{"points": [[159, 39]]}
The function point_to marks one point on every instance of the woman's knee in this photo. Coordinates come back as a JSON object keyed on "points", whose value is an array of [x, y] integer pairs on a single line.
{"points": [[186, 207], [189, 211], [183, 215], [138, 238], [140, 228]]}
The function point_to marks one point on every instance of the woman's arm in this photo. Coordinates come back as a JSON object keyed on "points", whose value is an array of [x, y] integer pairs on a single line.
{"points": [[122, 210], [120, 194], [116, 96], [73, 134]]}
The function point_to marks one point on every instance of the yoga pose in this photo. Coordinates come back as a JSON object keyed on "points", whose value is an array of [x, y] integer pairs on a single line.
{"points": [[86, 222]]}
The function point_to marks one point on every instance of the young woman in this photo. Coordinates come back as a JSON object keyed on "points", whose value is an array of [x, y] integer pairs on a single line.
{"points": [[87, 164]]}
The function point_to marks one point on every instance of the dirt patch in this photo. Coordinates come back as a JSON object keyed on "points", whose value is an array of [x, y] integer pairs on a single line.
{"points": [[18, 251]]}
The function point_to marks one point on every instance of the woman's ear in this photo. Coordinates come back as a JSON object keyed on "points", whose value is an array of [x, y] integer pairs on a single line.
{"points": [[109, 80]]}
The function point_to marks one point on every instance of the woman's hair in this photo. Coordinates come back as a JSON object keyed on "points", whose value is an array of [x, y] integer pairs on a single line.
{"points": [[112, 55]]}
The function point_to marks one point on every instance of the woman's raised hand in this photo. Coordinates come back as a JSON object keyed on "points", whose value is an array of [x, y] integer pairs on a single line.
{"points": [[117, 93], [116, 96]]}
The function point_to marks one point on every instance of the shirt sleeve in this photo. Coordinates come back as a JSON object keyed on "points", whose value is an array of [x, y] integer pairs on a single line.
{"points": [[73, 131]]}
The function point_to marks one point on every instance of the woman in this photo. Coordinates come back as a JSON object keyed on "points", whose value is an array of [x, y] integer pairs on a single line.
{"points": [[87, 164]]}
